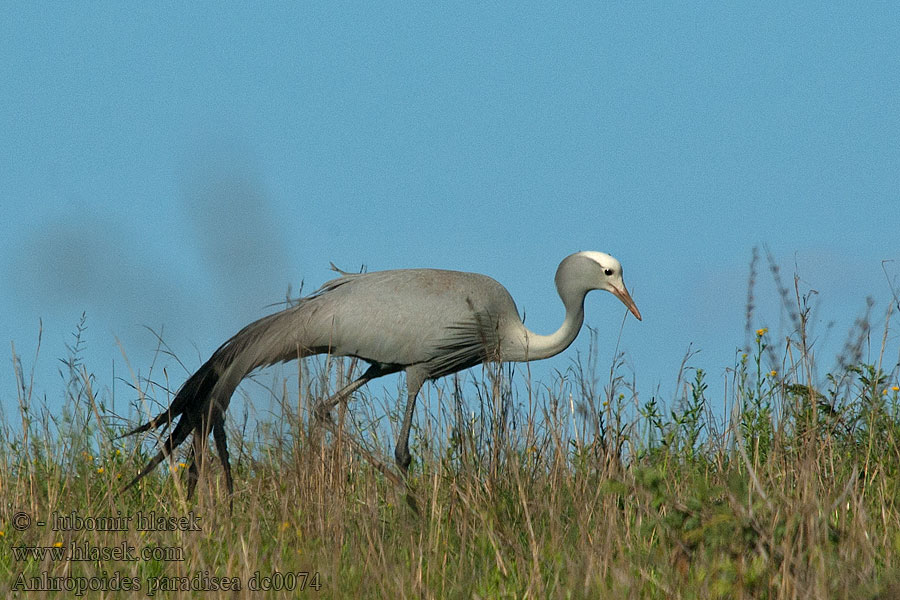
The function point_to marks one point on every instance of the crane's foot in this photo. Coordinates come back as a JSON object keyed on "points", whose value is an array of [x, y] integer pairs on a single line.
{"points": [[410, 496]]}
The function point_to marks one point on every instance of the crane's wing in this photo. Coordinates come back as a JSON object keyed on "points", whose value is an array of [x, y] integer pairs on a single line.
{"points": [[465, 344]]}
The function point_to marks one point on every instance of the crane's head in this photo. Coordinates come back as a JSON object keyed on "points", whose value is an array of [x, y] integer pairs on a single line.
{"points": [[594, 271]]}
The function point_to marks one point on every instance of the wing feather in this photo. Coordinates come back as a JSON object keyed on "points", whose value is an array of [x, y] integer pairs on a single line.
{"points": [[466, 344]]}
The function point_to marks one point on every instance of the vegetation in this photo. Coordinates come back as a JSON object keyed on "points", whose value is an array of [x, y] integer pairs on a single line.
{"points": [[577, 488]]}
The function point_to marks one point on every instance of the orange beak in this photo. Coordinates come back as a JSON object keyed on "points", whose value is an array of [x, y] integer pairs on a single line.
{"points": [[625, 297]]}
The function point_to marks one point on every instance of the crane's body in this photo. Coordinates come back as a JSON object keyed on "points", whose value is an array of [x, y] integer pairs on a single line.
{"points": [[417, 313], [427, 322]]}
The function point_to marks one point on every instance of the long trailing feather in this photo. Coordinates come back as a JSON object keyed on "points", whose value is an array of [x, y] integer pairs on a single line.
{"points": [[200, 404]]}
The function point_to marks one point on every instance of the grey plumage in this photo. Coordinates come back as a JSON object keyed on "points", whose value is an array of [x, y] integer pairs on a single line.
{"points": [[427, 322]]}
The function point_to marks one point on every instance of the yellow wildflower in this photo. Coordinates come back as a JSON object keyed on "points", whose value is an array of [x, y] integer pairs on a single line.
{"points": [[773, 373], [761, 332], [100, 471], [896, 388], [57, 545]]}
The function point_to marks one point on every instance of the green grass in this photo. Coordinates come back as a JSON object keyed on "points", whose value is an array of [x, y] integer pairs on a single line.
{"points": [[572, 488]]}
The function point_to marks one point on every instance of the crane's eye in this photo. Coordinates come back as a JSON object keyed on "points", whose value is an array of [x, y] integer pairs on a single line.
{"points": [[608, 272]]}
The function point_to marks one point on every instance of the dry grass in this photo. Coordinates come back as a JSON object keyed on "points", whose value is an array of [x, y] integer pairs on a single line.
{"points": [[575, 489]]}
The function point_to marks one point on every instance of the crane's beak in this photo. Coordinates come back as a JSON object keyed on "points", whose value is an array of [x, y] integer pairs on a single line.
{"points": [[625, 297]]}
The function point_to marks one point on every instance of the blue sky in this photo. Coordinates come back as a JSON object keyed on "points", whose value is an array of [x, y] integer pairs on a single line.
{"points": [[177, 167]]}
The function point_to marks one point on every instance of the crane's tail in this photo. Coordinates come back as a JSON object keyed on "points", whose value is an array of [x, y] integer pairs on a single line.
{"points": [[192, 410], [199, 406]]}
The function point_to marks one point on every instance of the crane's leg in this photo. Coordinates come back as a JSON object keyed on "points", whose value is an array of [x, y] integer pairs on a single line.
{"points": [[414, 381], [324, 407], [323, 415]]}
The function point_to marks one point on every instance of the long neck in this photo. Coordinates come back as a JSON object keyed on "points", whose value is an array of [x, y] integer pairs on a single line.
{"points": [[538, 346]]}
